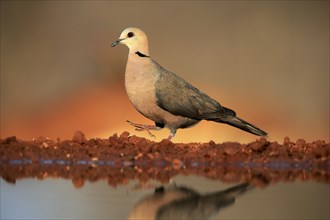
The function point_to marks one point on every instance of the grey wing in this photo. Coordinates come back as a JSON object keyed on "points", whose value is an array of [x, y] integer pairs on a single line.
{"points": [[178, 97]]}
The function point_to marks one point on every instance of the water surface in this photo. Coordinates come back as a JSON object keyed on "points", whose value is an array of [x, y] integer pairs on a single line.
{"points": [[56, 198]]}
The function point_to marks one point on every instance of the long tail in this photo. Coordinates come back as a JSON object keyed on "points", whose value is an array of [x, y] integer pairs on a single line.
{"points": [[244, 125]]}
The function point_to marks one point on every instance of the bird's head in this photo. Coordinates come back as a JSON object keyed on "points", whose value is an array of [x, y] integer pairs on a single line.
{"points": [[135, 39]]}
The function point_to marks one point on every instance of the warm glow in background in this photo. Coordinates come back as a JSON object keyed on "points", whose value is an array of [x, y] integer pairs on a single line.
{"points": [[267, 60]]}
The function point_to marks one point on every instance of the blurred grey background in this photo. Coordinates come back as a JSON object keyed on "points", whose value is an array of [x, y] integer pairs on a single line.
{"points": [[268, 60]]}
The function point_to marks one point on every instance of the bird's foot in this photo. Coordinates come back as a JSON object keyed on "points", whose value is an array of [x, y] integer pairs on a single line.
{"points": [[172, 134], [141, 127]]}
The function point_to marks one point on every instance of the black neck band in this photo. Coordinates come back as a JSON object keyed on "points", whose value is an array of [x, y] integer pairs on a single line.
{"points": [[140, 54]]}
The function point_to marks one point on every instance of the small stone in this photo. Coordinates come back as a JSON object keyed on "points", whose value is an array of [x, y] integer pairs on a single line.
{"points": [[138, 156], [286, 140], [211, 142], [41, 139], [257, 145], [79, 137], [231, 148], [127, 163], [9, 140], [274, 153], [301, 143], [44, 145], [177, 164], [78, 182], [124, 135], [95, 159]]}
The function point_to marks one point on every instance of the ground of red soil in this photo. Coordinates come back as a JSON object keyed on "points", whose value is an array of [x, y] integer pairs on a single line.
{"points": [[122, 158]]}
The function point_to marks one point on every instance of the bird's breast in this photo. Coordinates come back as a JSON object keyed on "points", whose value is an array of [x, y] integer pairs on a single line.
{"points": [[140, 86]]}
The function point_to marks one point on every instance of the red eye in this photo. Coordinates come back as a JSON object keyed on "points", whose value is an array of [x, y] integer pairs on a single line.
{"points": [[130, 34]]}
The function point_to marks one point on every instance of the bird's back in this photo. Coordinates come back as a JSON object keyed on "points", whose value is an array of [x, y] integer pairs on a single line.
{"points": [[179, 97]]}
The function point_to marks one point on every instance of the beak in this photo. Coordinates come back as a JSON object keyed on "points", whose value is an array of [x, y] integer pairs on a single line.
{"points": [[115, 43]]}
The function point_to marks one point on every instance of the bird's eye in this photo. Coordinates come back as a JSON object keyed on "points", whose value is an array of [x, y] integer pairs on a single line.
{"points": [[130, 34]]}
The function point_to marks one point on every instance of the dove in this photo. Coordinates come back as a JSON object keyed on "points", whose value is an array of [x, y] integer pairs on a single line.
{"points": [[181, 202], [166, 98]]}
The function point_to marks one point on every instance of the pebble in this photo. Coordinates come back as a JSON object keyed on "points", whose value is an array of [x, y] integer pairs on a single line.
{"points": [[79, 137]]}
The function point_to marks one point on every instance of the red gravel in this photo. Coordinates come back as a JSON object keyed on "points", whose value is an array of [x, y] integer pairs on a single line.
{"points": [[122, 158]]}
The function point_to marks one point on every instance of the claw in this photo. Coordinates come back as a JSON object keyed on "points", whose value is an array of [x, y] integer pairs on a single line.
{"points": [[141, 127]]}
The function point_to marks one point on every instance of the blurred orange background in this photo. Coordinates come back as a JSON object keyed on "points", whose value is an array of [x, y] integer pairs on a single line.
{"points": [[267, 60]]}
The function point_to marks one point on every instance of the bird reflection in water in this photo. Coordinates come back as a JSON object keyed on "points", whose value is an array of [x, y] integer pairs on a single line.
{"points": [[178, 202]]}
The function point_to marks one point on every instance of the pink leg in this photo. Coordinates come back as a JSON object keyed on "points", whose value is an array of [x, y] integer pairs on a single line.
{"points": [[172, 134], [141, 127]]}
